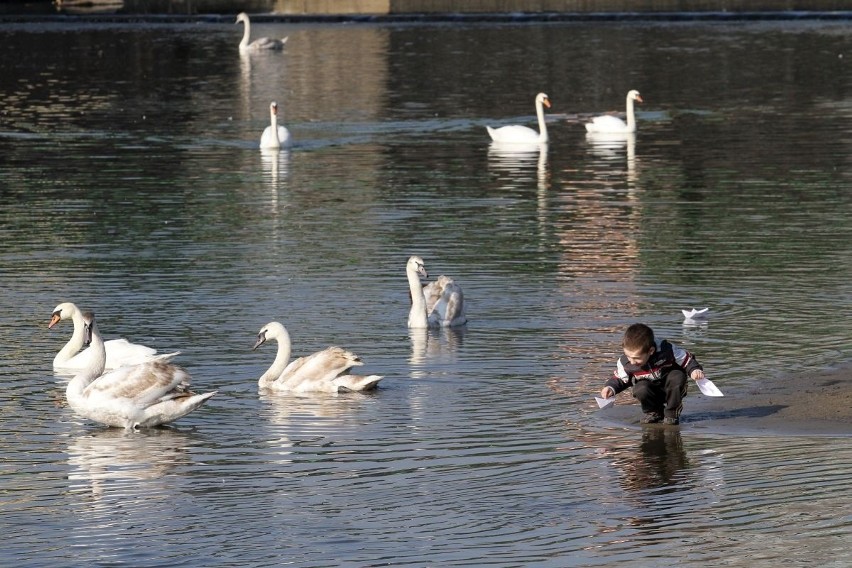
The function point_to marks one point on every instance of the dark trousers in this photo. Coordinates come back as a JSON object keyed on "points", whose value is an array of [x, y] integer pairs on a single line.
{"points": [[664, 396]]}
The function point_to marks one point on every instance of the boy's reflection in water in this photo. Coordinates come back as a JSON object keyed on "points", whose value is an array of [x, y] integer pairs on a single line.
{"points": [[661, 456]]}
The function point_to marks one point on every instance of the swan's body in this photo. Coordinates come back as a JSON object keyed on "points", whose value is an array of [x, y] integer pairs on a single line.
{"points": [[516, 134], [323, 371], [119, 352], [437, 304], [275, 136], [137, 396], [261, 44], [609, 124]]}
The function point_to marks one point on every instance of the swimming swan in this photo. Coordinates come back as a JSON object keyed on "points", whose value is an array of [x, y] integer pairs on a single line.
{"points": [[119, 352], [275, 136], [612, 124], [261, 44], [137, 396], [516, 134], [323, 371], [437, 304]]}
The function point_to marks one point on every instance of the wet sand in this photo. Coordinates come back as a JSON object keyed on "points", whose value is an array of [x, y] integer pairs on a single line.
{"points": [[813, 405]]}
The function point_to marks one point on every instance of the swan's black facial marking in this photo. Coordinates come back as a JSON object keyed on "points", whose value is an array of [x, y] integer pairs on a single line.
{"points": [[261, 339]]}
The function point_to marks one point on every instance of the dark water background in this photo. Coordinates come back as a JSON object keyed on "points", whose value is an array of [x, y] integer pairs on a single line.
{"points": [[131, 184]]}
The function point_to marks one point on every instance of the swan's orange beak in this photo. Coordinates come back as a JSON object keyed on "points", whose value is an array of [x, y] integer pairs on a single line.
{"points": [[639, 98], [546, 102], [54, 319]]}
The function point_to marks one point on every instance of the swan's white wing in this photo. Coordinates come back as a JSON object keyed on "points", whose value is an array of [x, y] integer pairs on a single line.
{"points": [[316, 372], [119, 353], [284, 136], [140, 385], [514, 134], [267, 139], [445, 302], [606, 123], [267, 43]]}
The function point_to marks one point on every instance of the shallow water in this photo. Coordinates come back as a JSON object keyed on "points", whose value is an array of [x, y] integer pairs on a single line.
{"points": [[131, 184]]}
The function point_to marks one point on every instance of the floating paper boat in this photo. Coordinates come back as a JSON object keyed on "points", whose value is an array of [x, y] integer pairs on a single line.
{"points": [[707, 388], [604, 402], [694, 314]]}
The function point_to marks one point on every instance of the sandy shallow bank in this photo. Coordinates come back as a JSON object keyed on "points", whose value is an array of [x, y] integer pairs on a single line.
{"points": [[807, 405]]}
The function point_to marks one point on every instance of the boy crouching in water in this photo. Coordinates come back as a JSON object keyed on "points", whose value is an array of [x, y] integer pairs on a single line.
{"points": [[657, 371]]}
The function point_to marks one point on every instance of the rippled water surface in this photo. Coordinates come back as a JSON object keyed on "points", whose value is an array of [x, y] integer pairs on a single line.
{"points": [[131, 184]]}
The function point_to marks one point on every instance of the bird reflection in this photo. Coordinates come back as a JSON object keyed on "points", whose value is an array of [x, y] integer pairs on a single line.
{"points": [[275, 164], [612, 146], [102, 459], [433, 346], [306, 419], [518, 158]]}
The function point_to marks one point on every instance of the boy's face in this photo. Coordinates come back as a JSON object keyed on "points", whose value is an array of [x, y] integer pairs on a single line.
{"points": [[639, 357]]}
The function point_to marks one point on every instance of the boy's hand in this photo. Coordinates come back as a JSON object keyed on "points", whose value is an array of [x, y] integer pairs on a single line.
{"points": [[697, 375], [607, 392]]}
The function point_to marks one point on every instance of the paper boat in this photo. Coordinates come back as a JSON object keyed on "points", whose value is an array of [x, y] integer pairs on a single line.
{"points": [[694, 314], [604, 402], [707, 388]]}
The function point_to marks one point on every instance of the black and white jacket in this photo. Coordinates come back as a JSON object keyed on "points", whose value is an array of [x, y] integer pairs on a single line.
{"points": [[666, 357]]}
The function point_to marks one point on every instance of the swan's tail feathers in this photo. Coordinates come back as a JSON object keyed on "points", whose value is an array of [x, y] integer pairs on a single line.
{"points": [[171, 409], [590, 127], [165, 357], [284, 39], [492, 132], [357, 383]]}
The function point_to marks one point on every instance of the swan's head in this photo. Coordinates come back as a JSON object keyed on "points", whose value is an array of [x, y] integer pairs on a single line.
{"points": [[89, 327], [635, 96], [242, 17], [542, 98], [65, 310], [272, 330], [416, 266], [273, 108]]}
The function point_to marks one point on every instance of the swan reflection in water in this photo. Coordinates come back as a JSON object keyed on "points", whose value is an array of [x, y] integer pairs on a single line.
{"points": [[437, 346], [518, 161], [615, 146], [110, 464], [275, 165], [306, 419]]}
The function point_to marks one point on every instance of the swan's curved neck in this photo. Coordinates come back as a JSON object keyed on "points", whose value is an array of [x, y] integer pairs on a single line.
{"points": [[542, 126], [75, 344], [282, 357], [246, 34], [417, 316], [76, 386], [631, 117]]}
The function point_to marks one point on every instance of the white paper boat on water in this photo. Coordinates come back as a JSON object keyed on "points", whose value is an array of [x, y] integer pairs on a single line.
{"points": [[707, 388], [694, 314], [604, 402]]}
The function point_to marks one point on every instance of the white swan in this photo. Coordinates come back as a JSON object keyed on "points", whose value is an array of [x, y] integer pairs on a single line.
{"points": [[516, 134], [612, 124], [261, 44], [323, 371], [119, 352], [275, 136], [437, 304], [137, 396]]}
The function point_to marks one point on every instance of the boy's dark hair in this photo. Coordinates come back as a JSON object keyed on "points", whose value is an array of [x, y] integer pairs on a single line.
{"points": [[638, 336]]}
